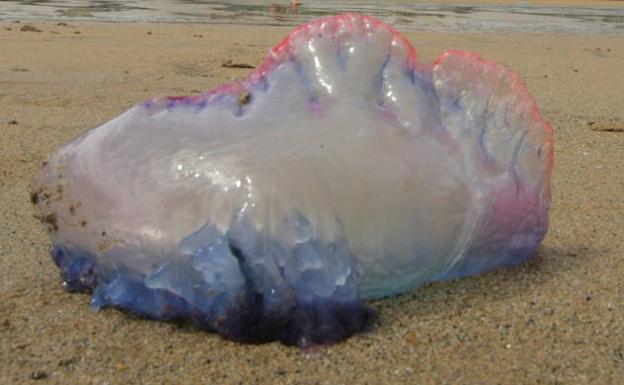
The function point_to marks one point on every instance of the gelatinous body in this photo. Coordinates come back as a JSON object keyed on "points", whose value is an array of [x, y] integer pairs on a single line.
{"points": [[341, 169]]}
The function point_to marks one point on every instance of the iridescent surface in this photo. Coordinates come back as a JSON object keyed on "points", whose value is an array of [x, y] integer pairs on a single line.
{"points": [[341, 169]]}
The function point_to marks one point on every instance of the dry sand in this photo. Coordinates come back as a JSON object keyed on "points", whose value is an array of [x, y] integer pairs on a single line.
{"points": [[559, 319]]}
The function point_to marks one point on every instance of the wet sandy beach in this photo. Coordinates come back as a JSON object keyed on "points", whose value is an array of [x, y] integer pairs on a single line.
{"points": [[558, 319]]}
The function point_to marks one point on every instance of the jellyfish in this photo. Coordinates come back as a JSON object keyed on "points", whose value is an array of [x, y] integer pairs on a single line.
{"points": [[341, 169]]}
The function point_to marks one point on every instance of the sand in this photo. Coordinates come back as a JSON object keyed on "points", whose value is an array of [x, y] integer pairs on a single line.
{"points": [[558, 319]]}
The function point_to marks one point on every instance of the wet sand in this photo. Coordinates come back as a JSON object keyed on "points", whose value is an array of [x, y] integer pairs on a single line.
{"points": [[558, 319], [532, 3]]}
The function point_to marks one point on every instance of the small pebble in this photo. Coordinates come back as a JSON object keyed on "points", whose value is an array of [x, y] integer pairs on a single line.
{"points": [[231, 64], [412, 338], [39, 375], [29, 28], [607, 125]]}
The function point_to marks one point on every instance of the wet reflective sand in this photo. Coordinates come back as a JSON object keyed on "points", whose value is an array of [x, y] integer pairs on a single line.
{"points": [[428, 16]]}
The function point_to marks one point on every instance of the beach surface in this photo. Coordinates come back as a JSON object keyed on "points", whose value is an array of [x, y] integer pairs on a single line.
{"points": [[558, 319]]}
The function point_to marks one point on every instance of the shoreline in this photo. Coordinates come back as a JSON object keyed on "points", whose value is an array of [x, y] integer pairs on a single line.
{"points": [[493, 16]]}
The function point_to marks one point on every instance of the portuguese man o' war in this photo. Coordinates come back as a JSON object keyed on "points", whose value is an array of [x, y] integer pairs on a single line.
{"points": [[342, 169]]}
